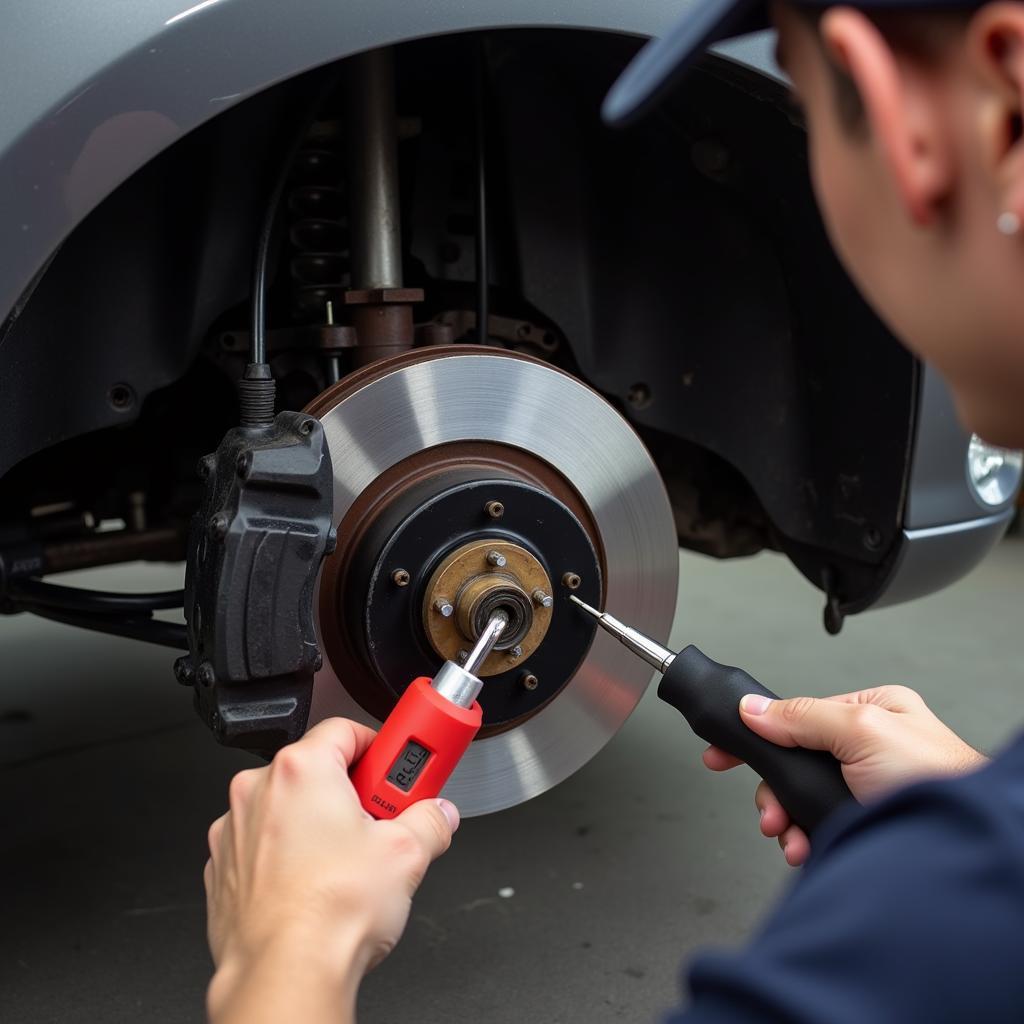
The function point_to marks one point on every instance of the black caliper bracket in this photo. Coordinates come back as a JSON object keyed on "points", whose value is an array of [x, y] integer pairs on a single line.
{"points": [[254, 555]]}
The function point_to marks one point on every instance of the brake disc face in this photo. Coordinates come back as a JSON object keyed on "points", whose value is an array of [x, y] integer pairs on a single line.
{"points": [[470, 479]]}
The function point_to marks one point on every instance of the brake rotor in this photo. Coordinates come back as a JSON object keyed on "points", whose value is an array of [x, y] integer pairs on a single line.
{"points": [[473, 478]]}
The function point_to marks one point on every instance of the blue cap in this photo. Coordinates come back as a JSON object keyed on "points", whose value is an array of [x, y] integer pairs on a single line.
{"points": [[663, 61]]}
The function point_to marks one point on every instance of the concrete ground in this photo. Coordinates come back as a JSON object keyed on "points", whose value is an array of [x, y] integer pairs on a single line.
{"points": [[577, 906]]}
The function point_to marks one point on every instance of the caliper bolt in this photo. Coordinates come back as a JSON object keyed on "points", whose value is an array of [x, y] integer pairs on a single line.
{"points": [[529, 681], [219, 526], [516, 652], [497, 559], [571, 580], [183, 671], [541, 598], [400, 578], [495, 509], [444, 607], [306, 427], [205, 674]]}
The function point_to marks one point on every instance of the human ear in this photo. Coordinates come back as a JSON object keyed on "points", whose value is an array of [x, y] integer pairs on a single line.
{"points": [[902, 108], [995, 52]]}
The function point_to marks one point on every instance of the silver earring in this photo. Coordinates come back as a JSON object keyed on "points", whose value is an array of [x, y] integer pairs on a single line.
{"points": [[1008, 223]]}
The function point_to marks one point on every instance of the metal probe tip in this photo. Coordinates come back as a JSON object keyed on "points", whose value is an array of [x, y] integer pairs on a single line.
{"points": [[586, 607], [459, 683], [639, 643], [491, 634]]}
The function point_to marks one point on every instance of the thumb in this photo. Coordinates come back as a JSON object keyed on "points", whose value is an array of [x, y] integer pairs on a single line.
{"points": [[433, 823], [800, 721]]}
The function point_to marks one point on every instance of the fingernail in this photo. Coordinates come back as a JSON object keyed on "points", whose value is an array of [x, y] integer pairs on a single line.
{"points": [[451, 812], [755, 704]]}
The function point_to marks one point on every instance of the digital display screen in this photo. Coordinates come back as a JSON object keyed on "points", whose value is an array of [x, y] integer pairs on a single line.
{"points": [[407, 767]]}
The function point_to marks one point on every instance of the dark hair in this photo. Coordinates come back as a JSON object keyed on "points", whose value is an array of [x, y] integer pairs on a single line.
{"points": [[849, 104]]}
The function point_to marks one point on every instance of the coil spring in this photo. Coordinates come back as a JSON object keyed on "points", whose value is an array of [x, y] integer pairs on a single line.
{"points": [[318, 234]]}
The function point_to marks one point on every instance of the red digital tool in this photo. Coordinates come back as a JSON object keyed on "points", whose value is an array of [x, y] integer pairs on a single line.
{"points": [[426, 734]]}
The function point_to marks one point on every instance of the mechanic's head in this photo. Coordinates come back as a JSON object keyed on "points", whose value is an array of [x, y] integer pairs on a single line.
{"points": [[914, 121]]}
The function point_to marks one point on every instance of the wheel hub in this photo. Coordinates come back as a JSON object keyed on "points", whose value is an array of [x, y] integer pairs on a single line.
{"points": [[486, 576], [468, 480]]}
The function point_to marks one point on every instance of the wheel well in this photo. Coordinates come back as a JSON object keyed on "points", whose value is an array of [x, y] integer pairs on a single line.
{"points": [[678, 267]]}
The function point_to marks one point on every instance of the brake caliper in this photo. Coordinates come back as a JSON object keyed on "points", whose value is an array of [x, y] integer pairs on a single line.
{"points": [[255, 550]]}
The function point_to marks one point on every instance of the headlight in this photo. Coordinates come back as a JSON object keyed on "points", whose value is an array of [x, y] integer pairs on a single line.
{"points": [[994, 472]]}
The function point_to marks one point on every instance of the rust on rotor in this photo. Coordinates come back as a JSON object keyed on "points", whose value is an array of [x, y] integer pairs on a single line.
{"points": [[487, 459]]}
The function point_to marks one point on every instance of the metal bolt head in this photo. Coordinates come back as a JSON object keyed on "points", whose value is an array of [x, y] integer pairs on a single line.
{"points": [[542, 599], [205, 674], [183, 671], [462, 657], [400, 578], [495, 509], [529, 681], [639, 395], [306, 426], [219, 526], [444, 607], [497, 559], [571, 580], [243, 464], [516, 652], [872, 538]]}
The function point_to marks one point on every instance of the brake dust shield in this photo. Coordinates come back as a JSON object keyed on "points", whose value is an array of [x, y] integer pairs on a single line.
{"points": [[507, 417]]}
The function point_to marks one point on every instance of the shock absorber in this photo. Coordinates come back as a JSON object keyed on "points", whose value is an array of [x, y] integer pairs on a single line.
{"points": [[318, 229], [381, 307]]}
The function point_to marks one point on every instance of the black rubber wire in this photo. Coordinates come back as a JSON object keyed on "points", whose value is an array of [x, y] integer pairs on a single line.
{"points": [[93, 602], [153, 631]]}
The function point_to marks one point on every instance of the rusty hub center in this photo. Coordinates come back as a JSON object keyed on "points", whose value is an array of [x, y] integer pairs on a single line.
{"points": [[471, 584]]}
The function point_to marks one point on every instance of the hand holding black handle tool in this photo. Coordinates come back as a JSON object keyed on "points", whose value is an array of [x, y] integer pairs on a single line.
{"points": [[808, 783]]}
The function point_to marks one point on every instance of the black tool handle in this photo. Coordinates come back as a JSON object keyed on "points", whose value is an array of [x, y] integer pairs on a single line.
{"points": [[808, 783]]}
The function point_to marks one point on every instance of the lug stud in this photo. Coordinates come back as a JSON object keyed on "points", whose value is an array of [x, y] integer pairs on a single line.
{"points": [[444, 607], [497, 559], [541, 598]]}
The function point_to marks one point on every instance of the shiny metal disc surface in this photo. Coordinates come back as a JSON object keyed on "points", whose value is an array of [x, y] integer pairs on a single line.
{"points": [[533, 407]]}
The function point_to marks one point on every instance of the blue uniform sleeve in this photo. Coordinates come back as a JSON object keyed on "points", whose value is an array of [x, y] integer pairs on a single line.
{"points": [[910, 910]]}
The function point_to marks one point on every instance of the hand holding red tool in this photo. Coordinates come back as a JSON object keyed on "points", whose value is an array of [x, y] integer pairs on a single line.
{"points": [[426, 734]]}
